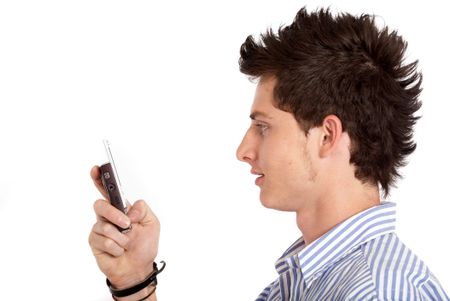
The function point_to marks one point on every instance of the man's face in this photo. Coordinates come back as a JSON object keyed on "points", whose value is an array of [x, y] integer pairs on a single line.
{"points": [[278, 152]]}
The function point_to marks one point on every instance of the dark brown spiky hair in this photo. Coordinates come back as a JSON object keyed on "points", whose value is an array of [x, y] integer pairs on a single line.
{"points": [[344, 65]]}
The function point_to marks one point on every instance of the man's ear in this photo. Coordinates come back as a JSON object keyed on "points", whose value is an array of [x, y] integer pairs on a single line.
{"points": [[331, 131]]}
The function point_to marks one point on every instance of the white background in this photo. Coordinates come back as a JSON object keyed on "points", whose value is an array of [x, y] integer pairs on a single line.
{"points": [[160, 80]]}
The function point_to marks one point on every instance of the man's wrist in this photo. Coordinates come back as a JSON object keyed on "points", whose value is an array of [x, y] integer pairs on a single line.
{"points": [[131, 280], [139, 295], [142, 290]]}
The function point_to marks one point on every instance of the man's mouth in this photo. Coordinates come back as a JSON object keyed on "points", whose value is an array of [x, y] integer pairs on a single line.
{"points": [[259, 180]]}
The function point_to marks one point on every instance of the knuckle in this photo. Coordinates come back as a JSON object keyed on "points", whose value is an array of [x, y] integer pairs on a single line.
{"points": [[106, 228], [90, 239], [126, 241], [108, 244], [92, 234], [120, 252], [98, 204]]}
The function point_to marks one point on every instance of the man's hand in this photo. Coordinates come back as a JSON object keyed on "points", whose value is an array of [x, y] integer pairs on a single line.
{"points": [[125, 259]]}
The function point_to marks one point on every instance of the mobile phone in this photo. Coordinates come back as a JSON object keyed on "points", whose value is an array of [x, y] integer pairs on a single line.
{"points": [[112, 185]]}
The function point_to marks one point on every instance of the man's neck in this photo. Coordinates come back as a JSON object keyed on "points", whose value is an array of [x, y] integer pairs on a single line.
{"points": [[325, 213]]}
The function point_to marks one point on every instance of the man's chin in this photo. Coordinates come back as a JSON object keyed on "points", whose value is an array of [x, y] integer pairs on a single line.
{"points": [[273, 202], [263, 198], [268, 201]]}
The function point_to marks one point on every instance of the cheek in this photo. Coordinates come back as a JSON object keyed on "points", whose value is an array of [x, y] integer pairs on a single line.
{"points": [[291, 165], [281, 155], [275, 148]]}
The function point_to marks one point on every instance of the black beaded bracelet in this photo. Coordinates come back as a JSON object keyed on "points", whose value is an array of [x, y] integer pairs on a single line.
{"points": [[151, 279]]}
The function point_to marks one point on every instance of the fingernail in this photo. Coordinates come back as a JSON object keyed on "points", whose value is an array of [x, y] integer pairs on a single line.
{"points": [[125, 223]]}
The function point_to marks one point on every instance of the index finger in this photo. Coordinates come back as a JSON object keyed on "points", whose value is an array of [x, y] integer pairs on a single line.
{"points": [[96, 178]]}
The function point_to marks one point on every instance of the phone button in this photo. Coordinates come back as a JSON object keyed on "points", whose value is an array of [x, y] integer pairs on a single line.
{"points": [[111, 187]]}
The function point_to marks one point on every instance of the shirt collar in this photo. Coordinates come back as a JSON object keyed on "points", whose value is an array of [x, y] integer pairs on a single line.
{"points": [[316, 257]]}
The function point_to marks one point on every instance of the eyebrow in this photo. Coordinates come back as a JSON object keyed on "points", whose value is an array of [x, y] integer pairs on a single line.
{"points": [[256, 114]]}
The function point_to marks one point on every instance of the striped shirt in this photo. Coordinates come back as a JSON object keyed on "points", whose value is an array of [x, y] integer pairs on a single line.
{"points": [[359, 259]]}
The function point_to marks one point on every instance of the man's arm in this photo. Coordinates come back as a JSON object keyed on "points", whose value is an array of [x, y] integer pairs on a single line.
{"points": [[125, 259]]}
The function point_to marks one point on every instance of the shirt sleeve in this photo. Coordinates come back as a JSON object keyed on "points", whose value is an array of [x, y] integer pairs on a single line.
{"points": [[265, 294], [432, 290]]}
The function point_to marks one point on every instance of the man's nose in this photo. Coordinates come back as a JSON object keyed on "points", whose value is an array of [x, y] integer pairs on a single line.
{"points": [[246, 150]]}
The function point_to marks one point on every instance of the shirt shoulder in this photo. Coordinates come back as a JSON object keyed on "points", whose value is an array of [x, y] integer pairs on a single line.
{"points": [[397, 273], [347, 279]]}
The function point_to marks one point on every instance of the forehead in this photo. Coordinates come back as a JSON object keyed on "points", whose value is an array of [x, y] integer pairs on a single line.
{"points": [[263, 108], [264, 98]]}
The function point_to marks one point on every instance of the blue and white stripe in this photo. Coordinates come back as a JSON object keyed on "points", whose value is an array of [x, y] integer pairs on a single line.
{"points": [[359, 259]]}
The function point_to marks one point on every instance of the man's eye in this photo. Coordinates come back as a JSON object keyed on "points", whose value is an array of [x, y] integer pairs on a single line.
{"points": [[261, 127]]}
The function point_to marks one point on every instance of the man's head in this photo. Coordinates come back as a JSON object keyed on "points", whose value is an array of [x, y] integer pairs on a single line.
{"points": [[338, 78]]}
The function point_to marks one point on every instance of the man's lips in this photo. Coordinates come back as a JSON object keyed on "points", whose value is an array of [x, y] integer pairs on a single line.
{"points": [[259, 180], [254, 172]]}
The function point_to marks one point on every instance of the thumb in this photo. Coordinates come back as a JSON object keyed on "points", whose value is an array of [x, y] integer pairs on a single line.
{"points": [[141, 213]]}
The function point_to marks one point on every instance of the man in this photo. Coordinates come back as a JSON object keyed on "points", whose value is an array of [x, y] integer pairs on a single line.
{"points": [[331, 122]]}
